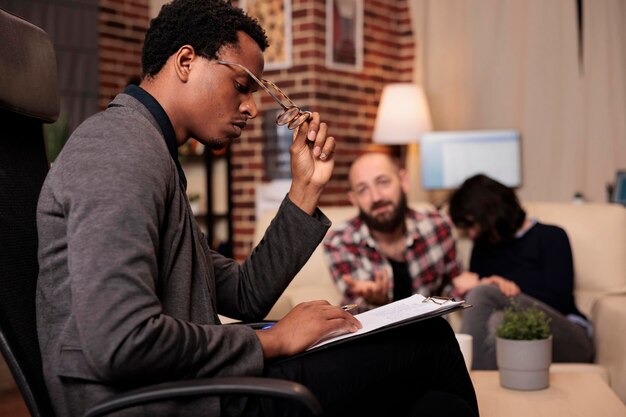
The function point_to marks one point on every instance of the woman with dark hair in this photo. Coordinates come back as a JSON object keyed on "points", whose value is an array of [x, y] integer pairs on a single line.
{"points": [[515, 256]]}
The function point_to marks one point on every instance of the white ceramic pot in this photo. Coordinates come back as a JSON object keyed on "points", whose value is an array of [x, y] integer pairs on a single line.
{"points": [[524, 364]]}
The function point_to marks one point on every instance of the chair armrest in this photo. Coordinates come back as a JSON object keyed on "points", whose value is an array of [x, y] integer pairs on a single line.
{"points": [[209, 387]]}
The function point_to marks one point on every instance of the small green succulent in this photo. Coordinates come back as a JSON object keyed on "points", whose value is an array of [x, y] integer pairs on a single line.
{"points": [[523, 323]]}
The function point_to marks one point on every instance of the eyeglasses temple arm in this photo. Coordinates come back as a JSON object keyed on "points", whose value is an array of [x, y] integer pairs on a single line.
{"points": [[259, 82]]}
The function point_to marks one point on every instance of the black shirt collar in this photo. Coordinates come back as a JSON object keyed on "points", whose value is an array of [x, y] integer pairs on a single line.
{"points": [[163, 121]]}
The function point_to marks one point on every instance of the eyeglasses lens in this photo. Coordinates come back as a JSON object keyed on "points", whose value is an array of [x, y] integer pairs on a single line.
{"points": [[287, 116], [301, 118]]}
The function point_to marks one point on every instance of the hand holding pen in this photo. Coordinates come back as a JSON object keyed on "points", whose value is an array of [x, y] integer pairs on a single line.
{"points": [[305, 325], [347, 307]]}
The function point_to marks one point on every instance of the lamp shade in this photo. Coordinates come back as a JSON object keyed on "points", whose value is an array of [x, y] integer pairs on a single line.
{"points": [[403, 114]]}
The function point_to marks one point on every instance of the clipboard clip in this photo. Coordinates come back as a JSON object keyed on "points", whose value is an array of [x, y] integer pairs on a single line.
{"points": [[437, 300]]}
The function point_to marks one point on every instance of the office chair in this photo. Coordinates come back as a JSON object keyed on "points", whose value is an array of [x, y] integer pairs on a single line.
{"points": [[28, 98]]}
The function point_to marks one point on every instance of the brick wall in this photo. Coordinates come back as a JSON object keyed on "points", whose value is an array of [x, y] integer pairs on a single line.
{"points": [[122, 25], [347, 101]]}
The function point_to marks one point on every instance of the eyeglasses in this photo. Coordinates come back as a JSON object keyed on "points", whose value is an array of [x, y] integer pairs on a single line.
{"points": [[292, 115], [437, 300]]}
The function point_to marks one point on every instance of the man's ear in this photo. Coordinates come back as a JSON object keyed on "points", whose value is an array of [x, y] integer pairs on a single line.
{"points": [[404, 180], [183, 59], [352, 198]]}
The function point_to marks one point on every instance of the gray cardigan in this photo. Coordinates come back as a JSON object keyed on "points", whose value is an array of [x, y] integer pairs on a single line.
{"points": [[128, 291]]}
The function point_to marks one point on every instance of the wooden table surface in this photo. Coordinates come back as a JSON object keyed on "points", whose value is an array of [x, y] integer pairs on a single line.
{"points": [[575, 394]]}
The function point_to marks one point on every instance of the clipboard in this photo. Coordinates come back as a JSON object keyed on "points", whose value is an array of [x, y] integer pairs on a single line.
{"points": [[393, 315]]}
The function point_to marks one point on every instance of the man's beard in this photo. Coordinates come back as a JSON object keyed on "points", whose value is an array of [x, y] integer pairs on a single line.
{"points": [[389, 223]]}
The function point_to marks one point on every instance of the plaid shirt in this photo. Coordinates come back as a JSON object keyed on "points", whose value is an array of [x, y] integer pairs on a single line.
{"points": [[430, 254]]}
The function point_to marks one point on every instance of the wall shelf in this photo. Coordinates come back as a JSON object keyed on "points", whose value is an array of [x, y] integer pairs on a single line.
{"points": [[209, 176]]}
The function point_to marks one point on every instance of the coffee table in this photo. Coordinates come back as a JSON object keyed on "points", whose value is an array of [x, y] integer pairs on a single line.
{"points": [[577, 394]]}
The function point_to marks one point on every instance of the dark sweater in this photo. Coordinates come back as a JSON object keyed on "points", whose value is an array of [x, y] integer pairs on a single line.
{"points": [[539, 262]]}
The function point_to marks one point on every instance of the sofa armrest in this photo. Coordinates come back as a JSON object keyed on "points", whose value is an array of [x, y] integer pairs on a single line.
{"points": [[609, 318]]}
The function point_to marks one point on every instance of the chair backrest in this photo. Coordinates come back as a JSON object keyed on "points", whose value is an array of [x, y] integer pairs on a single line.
{"points": [[28, 97]]}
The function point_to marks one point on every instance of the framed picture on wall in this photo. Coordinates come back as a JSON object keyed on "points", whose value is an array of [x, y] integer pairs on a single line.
{"points": [[276, 156], [275, 17], [344, 34]]}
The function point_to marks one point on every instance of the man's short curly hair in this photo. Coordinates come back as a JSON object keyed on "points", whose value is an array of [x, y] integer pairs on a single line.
{"points": [[206, 25]]}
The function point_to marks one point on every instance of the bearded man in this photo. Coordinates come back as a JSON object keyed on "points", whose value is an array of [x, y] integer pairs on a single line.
{"points": [[389, 251]]}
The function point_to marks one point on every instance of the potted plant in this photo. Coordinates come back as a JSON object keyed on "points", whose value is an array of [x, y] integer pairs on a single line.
{"points": [[524, 348]]}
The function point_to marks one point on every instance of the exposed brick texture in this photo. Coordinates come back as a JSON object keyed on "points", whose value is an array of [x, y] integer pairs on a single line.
{"points": [[347, 101], [122, 25]]}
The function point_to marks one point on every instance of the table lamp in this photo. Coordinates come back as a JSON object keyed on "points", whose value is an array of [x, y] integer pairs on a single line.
{"points": [[403, 115]]}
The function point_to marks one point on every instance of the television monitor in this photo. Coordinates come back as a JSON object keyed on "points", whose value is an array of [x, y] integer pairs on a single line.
{"points": [[619, 192], [449, 158]]}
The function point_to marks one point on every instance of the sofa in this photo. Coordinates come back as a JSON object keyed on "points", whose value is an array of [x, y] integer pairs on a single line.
{"points": [[597, 234]]}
